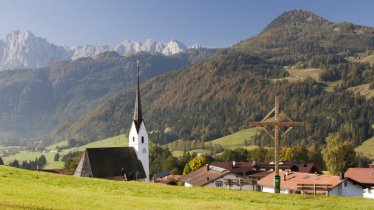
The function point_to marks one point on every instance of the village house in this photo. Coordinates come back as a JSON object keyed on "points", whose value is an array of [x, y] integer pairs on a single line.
{"points": [[306, 183], [363, 177], [165, 177], [257, 171], [213, 176]]}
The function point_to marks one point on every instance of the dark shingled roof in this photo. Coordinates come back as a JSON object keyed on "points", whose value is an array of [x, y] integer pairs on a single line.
{"points": [[110, 162], [138, 115]]}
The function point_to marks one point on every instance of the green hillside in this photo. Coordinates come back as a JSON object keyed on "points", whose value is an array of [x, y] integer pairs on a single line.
{"points": [[21, 189], [117, 141], [236, 140], [363, 90], [367, 148], [219, 96]]}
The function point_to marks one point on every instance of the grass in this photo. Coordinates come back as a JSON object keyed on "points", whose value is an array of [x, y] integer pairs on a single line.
{"points": [[363, 90], [298, 74], [330, 85], [231, 141], [21, 189], [367, 59], [235, 140], [117, 141], [367, 148]]}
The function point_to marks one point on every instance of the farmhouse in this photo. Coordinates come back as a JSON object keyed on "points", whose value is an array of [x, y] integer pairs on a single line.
{"points": [[363, 177], [120, 163], [213, 176], [296, 182]]}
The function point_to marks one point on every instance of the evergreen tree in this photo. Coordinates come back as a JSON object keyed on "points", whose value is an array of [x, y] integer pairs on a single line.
{"points": [[57, 157]]}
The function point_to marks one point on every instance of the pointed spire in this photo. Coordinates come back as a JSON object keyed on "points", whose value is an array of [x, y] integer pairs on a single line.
{"points": [[138, 117]]}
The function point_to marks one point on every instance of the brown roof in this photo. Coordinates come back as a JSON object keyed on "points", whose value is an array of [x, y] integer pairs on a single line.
{"points": [[203, 176], [295, 178], [363, 176], [259, 174], [293, 166], [235, 167]]}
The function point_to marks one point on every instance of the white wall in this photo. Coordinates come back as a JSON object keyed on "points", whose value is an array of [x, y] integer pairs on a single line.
{"points": [[142, 150], [369, 193], [350, 189], [269, 189]]}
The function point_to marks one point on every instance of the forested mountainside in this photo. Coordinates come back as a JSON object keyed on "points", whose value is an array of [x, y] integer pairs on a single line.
{"points": [[34, 101], [222, 94]]}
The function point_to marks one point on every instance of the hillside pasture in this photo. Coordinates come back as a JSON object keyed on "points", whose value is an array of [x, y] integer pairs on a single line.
{"points": [[363, 90], [367, 148], [117, 141]]}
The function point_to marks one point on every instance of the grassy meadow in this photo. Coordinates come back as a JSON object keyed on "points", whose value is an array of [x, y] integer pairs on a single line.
{"points": [[22, 189], [367, 148], [117, 141], [231, 141], [363, 90]]}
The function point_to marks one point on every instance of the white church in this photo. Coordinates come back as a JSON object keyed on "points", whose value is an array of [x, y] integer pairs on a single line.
{"points": [[120, 163]]}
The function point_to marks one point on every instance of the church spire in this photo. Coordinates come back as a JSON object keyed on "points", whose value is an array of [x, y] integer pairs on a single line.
{"points": [[138, 117]]}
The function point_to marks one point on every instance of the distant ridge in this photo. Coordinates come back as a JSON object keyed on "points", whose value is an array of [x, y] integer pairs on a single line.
{"points": [[20, 50]]}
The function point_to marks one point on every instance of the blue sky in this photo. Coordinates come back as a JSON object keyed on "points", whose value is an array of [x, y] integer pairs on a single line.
{"points": [[212, 23]]}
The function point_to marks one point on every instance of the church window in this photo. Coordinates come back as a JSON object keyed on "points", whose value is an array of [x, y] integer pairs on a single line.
{"points": [[142, 139], [133, 139]]}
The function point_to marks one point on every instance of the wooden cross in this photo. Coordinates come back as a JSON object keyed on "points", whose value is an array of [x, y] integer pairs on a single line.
{"points": [[277, 123]]}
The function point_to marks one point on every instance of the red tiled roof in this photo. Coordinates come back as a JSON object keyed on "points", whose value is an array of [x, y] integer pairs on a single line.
{"points": [[203, 176], [361, 175], [299, 178]]}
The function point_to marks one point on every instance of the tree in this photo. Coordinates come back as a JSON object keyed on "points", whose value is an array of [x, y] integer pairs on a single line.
{"points": [[71, 164], [1, 161], [338, 154], [57, 157], [195, 164]]}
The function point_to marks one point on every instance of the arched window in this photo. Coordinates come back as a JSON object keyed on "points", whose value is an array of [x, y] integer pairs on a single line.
{"points": [[133, 139], [142, 139]]}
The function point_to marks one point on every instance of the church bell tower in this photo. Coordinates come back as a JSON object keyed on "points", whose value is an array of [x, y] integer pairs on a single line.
{"points": [[138, 137]]}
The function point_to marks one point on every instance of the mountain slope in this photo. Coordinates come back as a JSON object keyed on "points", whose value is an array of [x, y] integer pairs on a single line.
{"points": [[32, 102], [222, 94]]}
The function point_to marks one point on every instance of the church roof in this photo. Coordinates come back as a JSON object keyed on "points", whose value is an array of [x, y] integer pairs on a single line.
{"points": [[110, 162], [138, 115]]}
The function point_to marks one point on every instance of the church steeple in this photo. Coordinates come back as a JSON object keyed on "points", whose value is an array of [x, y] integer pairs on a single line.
{"points": [[138, 136], [138, 117]]}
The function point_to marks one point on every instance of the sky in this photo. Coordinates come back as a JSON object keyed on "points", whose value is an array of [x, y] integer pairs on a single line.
{"points": [[211, 23]]}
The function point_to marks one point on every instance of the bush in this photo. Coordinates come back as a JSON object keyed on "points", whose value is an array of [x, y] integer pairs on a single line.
{"points": [[371, 86]]}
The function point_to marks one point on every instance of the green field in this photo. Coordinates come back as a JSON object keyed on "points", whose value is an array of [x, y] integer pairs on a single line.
{"points": [[231, 141], [235, 140], [117, 141], [22, 189], [367, 148], [363, 90], [298, 74], [366, 59]]}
